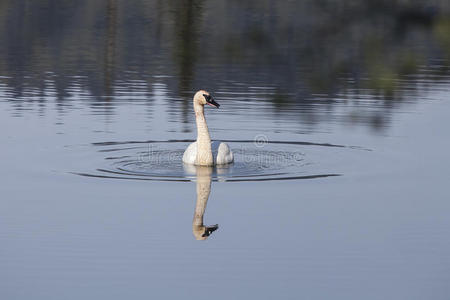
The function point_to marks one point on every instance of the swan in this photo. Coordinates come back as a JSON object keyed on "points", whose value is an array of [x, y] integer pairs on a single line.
{"points": [[203, 152]]}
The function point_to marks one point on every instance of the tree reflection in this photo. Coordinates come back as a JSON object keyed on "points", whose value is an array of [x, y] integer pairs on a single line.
{"points": [[110, 47], [187, 16], [300, 48]]}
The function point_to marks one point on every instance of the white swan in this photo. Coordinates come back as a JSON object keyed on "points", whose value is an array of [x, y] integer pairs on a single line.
{"points": [[203, 152]]}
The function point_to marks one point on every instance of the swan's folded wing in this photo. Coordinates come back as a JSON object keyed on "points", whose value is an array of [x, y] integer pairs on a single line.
{"points": [[215, 148], [224, 154], [190, 154]]}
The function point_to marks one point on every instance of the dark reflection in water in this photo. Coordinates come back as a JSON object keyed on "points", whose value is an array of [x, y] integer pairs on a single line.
{"points": [[302, 57], [187, 15], [110, 47]]}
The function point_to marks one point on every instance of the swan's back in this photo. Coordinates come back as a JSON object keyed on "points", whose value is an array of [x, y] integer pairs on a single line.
{"points": [[190, 154], [221, 153]]}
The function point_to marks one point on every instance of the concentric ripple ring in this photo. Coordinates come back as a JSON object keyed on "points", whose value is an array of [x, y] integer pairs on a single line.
{"points": [[161, 161]]}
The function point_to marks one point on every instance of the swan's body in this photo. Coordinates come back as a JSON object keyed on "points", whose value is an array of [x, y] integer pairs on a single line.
{"points": [[221, 153], [203, 152]]}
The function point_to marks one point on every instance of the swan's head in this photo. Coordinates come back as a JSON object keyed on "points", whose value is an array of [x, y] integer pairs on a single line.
{"points": [[203, 97]]}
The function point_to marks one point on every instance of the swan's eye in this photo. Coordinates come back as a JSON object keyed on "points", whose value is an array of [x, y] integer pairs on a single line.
{"points": [[210, 101], [207, 97]]}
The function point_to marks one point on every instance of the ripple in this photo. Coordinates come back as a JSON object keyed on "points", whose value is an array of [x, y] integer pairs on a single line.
{"points": [[254, 161]]}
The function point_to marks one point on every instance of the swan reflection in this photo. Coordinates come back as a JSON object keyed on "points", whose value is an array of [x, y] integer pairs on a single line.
{"points": [[203, 177]]}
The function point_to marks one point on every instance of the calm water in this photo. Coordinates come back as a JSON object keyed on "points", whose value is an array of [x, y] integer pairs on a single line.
{"points": [[337, 114]]}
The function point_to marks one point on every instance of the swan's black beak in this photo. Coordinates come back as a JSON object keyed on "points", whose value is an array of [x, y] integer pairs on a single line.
{"points": [[210, 101]]}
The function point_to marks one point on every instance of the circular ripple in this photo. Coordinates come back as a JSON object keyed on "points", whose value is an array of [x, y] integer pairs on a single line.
{"points": [[162, 161]]}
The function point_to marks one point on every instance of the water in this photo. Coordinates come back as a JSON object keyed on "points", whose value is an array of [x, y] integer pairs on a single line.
{"points": [[337, 114]]}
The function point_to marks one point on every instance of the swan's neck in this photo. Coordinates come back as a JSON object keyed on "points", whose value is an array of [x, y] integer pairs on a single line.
{"points": [[204, 153]]}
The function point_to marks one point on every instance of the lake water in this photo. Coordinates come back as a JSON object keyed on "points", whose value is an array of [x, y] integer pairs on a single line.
{"points": [[338, 116]]}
